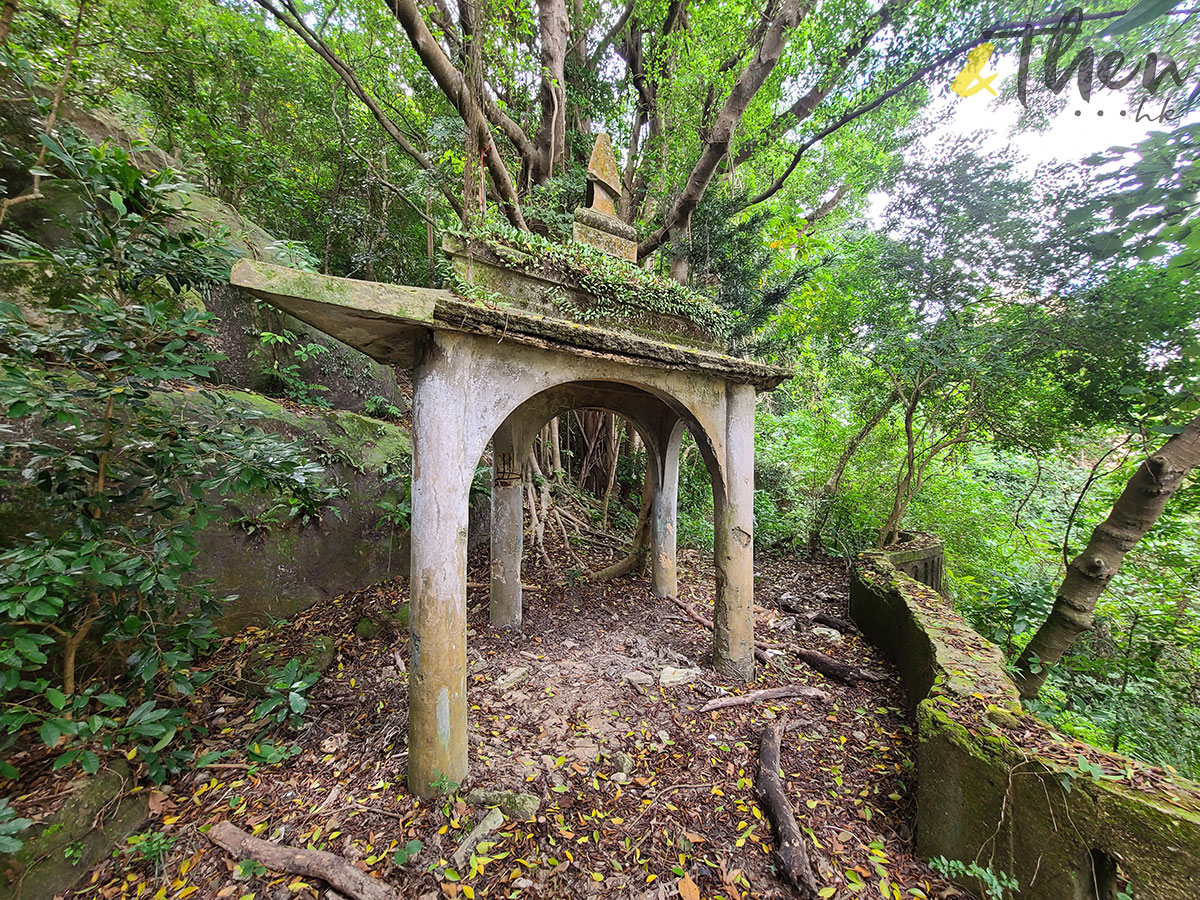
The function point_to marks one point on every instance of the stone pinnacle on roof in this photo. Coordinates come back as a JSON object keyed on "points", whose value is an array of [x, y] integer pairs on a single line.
{"points": [[597, 223]]}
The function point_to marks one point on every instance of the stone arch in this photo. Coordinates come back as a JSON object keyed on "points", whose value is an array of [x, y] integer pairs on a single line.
{"points": [[659, 421], [467, 388], [473, 365], [594, 375]]}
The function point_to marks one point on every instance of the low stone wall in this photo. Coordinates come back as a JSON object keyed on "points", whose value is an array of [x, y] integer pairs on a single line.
{"points": [[920, 557], [1000, 789], [279, 570]]}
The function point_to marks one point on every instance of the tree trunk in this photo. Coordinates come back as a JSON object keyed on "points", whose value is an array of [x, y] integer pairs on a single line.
{"points": [[830, 488], [555, 451], [554, 28], [891, 526], [614, 458], [6, 19], [1136, 510], [634, 563]]}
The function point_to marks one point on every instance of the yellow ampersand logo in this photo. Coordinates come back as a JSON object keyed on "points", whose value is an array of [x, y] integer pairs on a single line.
{"points": [[969, 81]]}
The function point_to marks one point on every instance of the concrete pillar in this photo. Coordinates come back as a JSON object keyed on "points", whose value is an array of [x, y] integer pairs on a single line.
{"points": [[437, 685], [664, 580], [508, 530], [733, 616]]}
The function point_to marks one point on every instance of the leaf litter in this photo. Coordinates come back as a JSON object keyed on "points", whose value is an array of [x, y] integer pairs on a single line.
{"points": [[639, 794]]}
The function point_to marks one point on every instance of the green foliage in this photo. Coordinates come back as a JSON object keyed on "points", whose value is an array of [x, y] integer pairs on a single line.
{"points": [[407, 853], [378, 407], [286, 690], [553, 204], [11, 827], [728, 253], [398, 513], [121, 469], [619, 288], [270, 754], [249, 868], [442, 784], [995, 884], [147, 846], [286, 371], [1145, 201]]}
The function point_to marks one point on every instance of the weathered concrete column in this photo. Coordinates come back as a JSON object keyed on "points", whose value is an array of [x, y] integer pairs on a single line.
{"points": [[733, 616], [437, 685], [664, 579], [508, 527]]}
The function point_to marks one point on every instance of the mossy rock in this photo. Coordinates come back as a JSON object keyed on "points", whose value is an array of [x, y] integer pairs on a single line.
{"points": [[98, 815], [383, 622]]}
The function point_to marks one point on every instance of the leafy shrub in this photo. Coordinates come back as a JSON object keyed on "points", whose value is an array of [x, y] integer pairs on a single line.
{"points": [[994, 884], [286, 372], [10, 827], [380, 408], [122, 466], [286, 690]]}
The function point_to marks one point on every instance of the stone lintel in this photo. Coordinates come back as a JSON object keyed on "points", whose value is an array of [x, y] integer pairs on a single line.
{"points": [[387, 322], [384, 321]]}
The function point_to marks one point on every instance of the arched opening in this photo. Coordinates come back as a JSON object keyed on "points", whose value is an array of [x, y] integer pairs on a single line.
{"points": [[1102, 879], [657, 423]]}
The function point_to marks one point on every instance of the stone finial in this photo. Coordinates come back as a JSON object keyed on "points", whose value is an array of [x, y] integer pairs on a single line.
{"points": [[597, 223], [604, 182]]}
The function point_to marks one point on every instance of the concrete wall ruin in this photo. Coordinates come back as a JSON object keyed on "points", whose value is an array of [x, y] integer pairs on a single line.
{"points": [[996, 786]]}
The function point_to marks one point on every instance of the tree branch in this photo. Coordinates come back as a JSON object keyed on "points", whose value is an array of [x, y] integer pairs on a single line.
{"points": [[856, 113], [716, 146], [330, 868], [454, 86], [318, 46], [611, 35], [804, 107]]}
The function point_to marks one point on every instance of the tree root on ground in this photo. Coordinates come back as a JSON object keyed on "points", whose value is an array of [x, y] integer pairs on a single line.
{"points": [[826, 665], [335, 871], [778, 693], [790, 849], [838, 671]]}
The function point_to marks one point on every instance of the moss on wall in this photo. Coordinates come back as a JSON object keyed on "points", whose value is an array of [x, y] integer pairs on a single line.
{"points": [[997, 787], [100, 811]]}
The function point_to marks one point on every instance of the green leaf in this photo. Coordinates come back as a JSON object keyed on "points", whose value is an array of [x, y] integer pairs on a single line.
{"points": [[1141, 14], [56, 697], [164, 740], [49, 733]]}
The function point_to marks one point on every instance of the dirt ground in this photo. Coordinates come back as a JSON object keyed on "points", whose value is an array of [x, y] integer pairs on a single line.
{"points": [[552, 710]]}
